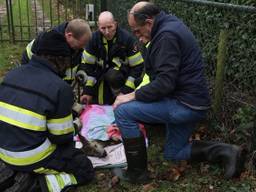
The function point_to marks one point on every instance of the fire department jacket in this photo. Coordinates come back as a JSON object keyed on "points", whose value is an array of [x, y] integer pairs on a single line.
{"points": [[120, 54], [174, 65], [76, 54], [35, 114]]}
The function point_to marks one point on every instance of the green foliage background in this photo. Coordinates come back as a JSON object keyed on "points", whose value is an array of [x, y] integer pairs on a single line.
{"points": [[206, 23]]}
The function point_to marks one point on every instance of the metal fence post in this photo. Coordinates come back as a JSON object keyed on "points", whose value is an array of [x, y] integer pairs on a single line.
{"points": [[8, 18], [12, 24]]}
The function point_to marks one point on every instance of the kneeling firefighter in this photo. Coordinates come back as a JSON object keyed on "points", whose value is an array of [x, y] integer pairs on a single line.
{"points": [[36, 124]]}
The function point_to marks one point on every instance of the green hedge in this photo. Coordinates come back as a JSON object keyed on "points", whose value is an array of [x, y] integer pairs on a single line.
{"points": [[206, 23]]}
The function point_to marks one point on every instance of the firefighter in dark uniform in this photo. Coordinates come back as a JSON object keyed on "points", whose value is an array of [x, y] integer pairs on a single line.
{"points": [[76, 36], [36, 124], [112, 62]]}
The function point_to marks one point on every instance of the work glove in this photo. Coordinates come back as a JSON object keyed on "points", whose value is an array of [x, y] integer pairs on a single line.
{"points": [[81, 76]]}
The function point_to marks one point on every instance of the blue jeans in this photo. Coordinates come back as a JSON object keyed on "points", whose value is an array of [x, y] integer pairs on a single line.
{"points": [[179, 119]]}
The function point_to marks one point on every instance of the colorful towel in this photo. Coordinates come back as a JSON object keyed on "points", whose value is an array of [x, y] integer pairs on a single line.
{"points": [[99, 124]]}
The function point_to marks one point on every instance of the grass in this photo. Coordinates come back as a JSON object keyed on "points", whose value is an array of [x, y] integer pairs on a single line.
{"points": [[10, 55], [170, 177]]}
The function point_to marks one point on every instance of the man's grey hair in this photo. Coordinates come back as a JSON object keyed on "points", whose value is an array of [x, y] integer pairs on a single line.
{"points": [[148, 11]]}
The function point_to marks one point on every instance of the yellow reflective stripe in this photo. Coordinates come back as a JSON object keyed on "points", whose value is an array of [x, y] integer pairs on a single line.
{"points": [[22, 110], [130, 82], [67, 78], [57, 182], [73, 179], [117, 61], [22, 125], [68, 179], [21, 117], [100, 93], [52, 183], [28, 157], [144, 82], [90, 81], [116, 68], [105, 42], [70, 73], [147, 45], [63, 131], [43, 170], [60, 181], [114, 40], [100, 62], [135, 60], [88, 58], [61, 126], [28, 49]]}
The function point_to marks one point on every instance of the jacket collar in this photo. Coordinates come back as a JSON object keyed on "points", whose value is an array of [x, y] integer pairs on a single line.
{"points": [[159, 19], [42, 63], [115, 38]]}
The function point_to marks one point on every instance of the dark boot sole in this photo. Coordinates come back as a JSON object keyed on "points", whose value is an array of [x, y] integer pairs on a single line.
{"points": [[143, 178], [6, 176], [240, 163], [23, 183]]}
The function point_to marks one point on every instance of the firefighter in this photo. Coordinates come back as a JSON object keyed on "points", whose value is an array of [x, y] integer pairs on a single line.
{"points": [[112, 62], [36, 124], [77, 33]]}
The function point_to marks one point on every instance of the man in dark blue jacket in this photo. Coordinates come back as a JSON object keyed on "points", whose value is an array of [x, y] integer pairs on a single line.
{"points": [[77, 33], [36, 124], [176, 95]]}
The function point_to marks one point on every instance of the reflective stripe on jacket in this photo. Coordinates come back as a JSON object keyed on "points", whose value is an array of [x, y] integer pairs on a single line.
{"points": [[119, 53], [35, 113], [76, 54]]}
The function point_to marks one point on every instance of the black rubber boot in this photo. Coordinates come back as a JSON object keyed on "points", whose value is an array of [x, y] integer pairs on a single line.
{"points": [[23, 182], [136, 155], [231, 157], [6, 176]]}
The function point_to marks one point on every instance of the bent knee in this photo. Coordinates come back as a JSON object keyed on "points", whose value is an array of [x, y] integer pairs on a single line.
{"points": [[120, 111]]}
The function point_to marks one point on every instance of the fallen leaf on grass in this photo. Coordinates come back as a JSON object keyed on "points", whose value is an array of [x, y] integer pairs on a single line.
{"points": [[174, 172], [114, 181], [211, 187], [100, 176], [245, 175], [204, 168], [149, 187], [197, 136]]}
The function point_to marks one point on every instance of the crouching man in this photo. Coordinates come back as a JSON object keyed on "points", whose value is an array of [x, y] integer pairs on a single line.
{"points": [[36, 125], [177, 96]]}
